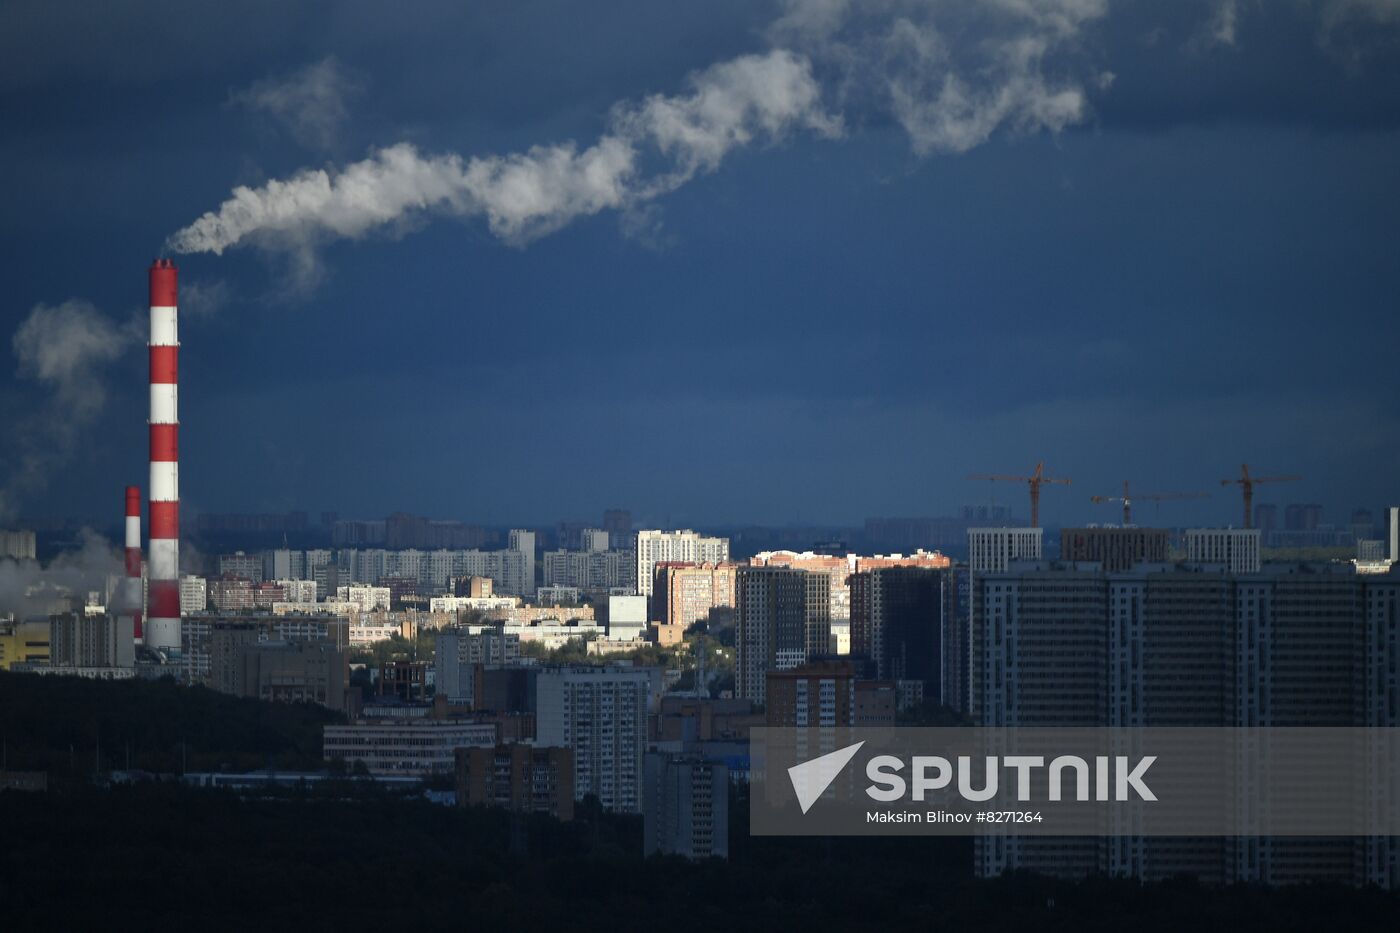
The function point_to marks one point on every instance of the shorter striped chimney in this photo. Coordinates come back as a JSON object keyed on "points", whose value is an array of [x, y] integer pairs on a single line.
{"points": [[131, 603]]}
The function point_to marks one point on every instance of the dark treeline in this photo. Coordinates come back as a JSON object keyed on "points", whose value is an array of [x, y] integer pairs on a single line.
{"points": [[352, 855], [67, 725], [165, 856]]}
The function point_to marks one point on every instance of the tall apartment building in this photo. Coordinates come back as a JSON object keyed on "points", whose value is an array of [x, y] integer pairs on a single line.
{"points": [[687, 807], [1191, 645], [458, 652], [836, 568], [1236, 548], [684, 594], [238, 564], [783, 619], [230, 594], [194, 594], [522, 542], [284, 564], [595, 570], [902, 622], [1117, 549], [18, 545], [524, 778], [989, 550], [654, 546], [80, 639], [601, 715]]}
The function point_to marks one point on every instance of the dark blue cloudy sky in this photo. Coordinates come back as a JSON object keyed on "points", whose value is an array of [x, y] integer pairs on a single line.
{"points": [[1136, 240]]}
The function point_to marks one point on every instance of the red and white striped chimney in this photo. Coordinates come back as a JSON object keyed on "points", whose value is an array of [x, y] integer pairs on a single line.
{"points": [[132, 596], [163, 624]]}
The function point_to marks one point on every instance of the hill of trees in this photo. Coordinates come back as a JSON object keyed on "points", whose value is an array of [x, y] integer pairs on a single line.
{"points": [[69, 726]]}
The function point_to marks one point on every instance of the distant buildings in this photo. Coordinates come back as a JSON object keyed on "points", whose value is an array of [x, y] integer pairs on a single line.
{"points": [[601, 715], [23, 643], [1117, 549], [687, 807], [655, 546], [524, 778], [1236, 548], [18, 545], [243, 566], [594, 570], [249, 659]]}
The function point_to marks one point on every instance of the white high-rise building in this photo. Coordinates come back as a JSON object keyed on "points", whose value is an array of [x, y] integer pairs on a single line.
{"points": [[523, 543], [990, 550], [594, 539], [284, 564], [655, 546], [1236, 548], [194, 594], [601, 714]]}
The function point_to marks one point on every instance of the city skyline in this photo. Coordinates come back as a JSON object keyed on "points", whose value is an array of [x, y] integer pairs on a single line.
{"points": [[826, 324]]}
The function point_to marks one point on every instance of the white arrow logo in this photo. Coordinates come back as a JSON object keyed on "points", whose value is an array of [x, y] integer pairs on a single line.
{"points": [[811, 778]]}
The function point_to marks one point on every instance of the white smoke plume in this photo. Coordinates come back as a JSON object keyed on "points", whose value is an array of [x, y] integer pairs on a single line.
{"points": [[65, 348], [29, 589], [526, 195], [951, 73], [311, 103]]}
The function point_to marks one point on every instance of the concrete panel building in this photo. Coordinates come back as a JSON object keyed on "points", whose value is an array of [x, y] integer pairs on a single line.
{"points": [[601, 715], [687, 807], [524, 778]]}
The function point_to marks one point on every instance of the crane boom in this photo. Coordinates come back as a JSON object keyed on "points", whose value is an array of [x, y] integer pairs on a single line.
{"points": [[1034, 481]]}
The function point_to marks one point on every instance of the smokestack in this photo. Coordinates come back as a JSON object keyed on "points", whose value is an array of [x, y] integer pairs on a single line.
{"points": [[132, 602], [163, 625]]}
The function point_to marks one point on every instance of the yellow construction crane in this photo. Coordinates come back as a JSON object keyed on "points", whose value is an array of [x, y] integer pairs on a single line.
{"points": [[1127, 499], [1035, 481]]}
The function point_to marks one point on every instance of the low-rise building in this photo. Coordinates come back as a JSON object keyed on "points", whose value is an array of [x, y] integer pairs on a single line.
{"points": [[405, 746]]}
